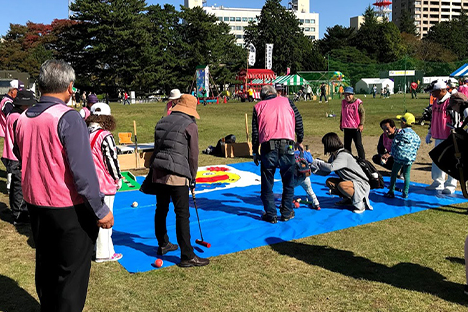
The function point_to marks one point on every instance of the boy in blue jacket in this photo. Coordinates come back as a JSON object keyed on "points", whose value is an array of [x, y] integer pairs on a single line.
{"points": [[404, 149], [303, 179]]}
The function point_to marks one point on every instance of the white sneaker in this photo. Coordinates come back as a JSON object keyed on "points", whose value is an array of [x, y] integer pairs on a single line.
{"points": [[448, 191], [434, 187], [356, 210]]}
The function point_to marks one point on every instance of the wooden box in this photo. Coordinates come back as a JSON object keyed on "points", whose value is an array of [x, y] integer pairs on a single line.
{"points": [[129, 161], [237, 150]]}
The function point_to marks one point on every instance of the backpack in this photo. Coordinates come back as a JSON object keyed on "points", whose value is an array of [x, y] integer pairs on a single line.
{"points": [[302, 165], [373, 176]]}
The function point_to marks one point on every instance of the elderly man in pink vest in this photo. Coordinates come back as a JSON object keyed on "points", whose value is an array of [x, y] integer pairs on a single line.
{"points": [[61, 190], [275, 120], [440, 131]]}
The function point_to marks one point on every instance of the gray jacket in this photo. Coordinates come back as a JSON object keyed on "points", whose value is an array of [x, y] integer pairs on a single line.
{"points": [[346, 167]]}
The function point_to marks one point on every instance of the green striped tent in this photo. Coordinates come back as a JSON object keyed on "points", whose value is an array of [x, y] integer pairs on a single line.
{"points": [[291, 80]]}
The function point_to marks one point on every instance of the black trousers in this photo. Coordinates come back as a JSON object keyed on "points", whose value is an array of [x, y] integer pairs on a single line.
{"points": [[64, 239], [180, 199], [349, 136], [378, 160], [17, 203]]}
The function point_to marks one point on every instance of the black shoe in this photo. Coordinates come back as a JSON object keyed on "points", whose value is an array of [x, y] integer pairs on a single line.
{"points": [[269, 219], [291, 216], [169, 247], [195, 261]]}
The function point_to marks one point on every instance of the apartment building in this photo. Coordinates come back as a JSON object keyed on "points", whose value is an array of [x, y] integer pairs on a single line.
{"points": [[239, 18], [427, 12]]}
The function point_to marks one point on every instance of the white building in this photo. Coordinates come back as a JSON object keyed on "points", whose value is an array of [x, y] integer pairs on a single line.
{"points": [[365, 85], [238, 18], [427, 13]]}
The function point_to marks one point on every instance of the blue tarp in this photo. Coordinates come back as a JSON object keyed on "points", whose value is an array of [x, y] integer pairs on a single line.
{"points": [[230, 218], [461, 72]]}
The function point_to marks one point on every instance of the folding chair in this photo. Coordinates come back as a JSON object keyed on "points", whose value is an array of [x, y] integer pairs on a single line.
{"points": [[125, 138]]}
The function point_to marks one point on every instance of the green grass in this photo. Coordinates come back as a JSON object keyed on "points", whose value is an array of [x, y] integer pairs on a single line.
{"points": [[410, 263]]}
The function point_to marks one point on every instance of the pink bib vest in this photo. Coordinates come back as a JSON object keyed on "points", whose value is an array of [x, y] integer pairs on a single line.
{"points": [[350, 114], [10, 137], [463, 89], [107, 185], [439, 130], [387, 142], [3, 117], [86, 112], [276, 119], [46, 178]]}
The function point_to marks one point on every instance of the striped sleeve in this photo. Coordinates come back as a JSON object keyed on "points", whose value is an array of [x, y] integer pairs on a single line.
{"points": [[109, 152], [299, 127]]}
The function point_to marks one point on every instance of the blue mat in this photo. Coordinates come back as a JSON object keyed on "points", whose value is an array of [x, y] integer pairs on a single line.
{"points": [[230, 215]]}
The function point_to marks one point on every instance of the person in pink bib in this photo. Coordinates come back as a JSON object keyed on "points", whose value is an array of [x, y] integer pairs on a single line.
{"points": [[440, 131], [61, 190], [20, 213], [85, 112], [352, 121], [104, 150]]}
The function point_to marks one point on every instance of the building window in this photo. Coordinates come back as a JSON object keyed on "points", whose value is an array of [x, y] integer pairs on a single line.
{"points": [[232, 19], [238, 19], [238, 27], [417, 9], [250, 19], [307, 21], [301, 21], [226, 19], [312, 37], [244, 19], [233, 27], [220, 18], [312, 28], [312, 21], [417, 16], [417, 2], [239, 36], [307, 29]]}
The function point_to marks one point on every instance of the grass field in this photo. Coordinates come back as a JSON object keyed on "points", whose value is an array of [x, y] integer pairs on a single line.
{"points": [[410, 263]]}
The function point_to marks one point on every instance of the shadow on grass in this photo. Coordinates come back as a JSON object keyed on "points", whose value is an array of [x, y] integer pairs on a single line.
{"points": [[14, 298], [456, 260], [408, 276], [24, 229]]}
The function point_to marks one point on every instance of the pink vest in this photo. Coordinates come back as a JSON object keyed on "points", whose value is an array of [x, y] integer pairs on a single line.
{"points": [[439, 130], [463, 89], [3, 117], [387, 142], [276, 119], [86, 112], [10, 137], [46, 179], [350, 114], [107, 185]]}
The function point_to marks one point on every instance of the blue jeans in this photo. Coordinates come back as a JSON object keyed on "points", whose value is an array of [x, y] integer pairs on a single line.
{"points": [[270, 160]]}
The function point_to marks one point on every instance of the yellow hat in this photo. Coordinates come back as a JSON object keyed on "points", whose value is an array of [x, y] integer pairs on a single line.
{"points": [[408, 118]]}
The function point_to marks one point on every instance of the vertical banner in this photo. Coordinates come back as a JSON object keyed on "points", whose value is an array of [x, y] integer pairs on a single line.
{"points": [[252, 54], [203, 81], [269, 56], [288, 70]]}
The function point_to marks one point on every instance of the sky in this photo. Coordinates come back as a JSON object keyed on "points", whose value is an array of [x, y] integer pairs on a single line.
{"points": [[45, 11]]}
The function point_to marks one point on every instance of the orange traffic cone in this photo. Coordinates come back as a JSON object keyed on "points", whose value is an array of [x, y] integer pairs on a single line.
{"points": [[217, 100], [225, 101], [198, 101]]}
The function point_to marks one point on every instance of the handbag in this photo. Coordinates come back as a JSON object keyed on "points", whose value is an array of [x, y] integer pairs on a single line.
{"points": [[451, 156], [148, 186]]}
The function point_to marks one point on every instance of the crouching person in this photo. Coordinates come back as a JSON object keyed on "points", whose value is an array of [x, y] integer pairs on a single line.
{"points": [[352, 184]]}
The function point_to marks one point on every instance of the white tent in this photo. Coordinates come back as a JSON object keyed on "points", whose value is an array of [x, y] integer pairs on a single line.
{"points": [[366, 84]]}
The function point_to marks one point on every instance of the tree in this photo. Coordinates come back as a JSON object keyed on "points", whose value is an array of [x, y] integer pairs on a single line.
{"points": [[281, 27], [337, 37], [452, 34], [109, 42], [407, 23], [381, 41], [204, 41]]}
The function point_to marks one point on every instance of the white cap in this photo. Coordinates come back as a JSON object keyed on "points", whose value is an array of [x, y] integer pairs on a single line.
{"points": [[175, 94], [16, 84], [100, 109], [439, 85]]}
